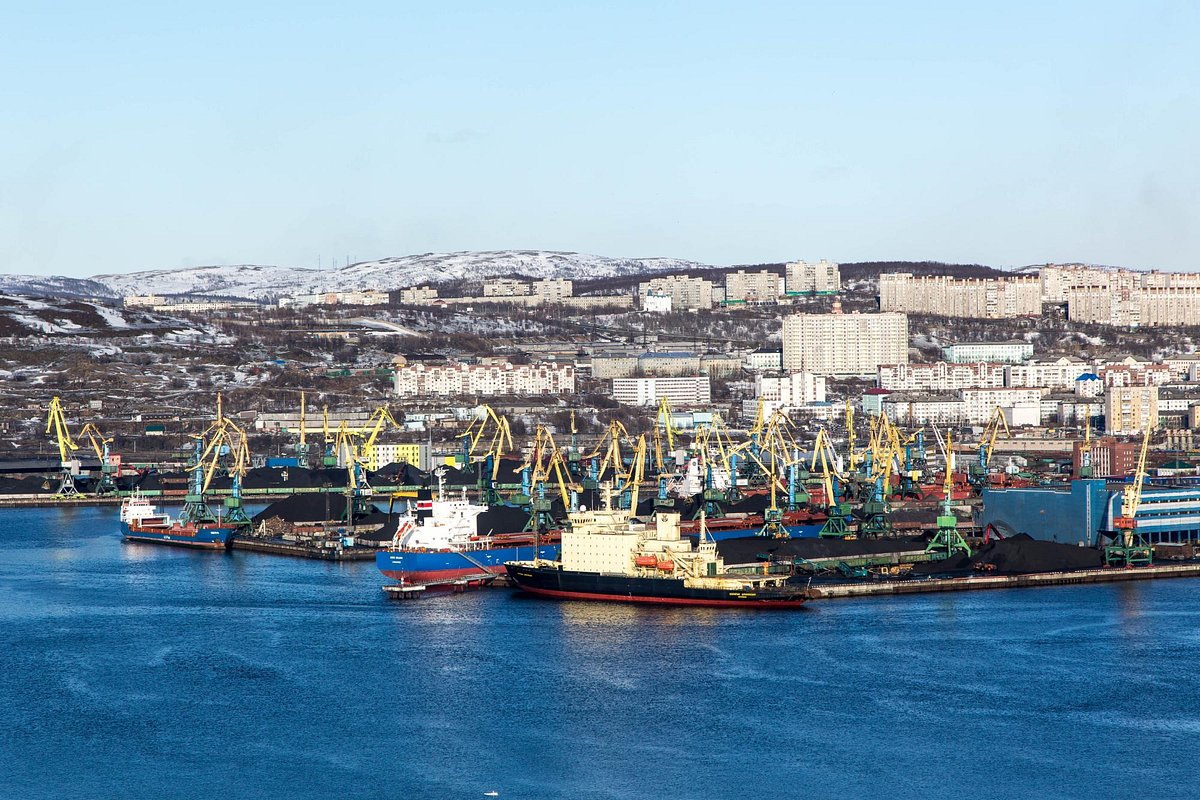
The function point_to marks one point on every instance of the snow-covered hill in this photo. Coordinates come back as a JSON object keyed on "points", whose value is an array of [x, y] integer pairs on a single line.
{"points": [[254, 281]]}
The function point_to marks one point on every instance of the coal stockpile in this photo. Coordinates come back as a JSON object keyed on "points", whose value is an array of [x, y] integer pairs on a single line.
{"points": [[310, 507], [1017, 555], [400, 475], [746, 549], [32, 484], [501, 519]]}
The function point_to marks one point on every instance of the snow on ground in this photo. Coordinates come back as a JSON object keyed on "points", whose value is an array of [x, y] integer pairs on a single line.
{"points": [[37, 324], [111, 317]]}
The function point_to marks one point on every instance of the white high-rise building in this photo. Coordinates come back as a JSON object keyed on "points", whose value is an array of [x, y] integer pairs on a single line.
{"points": [[752, 287], [824, 277], [844, 344]]}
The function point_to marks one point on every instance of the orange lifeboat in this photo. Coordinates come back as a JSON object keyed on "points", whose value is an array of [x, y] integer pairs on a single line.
{"points": [[666, 566], [645, 561]]}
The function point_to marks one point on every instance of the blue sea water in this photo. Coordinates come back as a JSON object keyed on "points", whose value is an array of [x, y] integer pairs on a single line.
{"points": [[141, 671]]}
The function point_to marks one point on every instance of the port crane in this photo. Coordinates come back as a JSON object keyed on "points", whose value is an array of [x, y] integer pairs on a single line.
{"points": [[838, 512], [978, 475], [56, 423], [370, 433], [1128, 547], [948, 540], [106, 484]]}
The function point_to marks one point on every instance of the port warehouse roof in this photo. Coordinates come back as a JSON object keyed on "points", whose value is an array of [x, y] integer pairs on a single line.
{"points": [[1078, 512]]}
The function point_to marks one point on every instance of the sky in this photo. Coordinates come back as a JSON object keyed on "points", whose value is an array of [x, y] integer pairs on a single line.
{"points": [[161, 135]]}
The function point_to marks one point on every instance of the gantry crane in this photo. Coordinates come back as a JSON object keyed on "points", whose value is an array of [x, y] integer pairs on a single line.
{"points": [[1128, 547], [56, 423]]}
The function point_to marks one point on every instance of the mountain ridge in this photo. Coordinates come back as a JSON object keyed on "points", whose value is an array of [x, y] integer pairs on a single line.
{"points": [[263, 282]]}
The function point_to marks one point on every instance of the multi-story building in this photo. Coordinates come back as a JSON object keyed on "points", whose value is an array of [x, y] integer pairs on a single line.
{"points": [[752, 287], [981, 404], [1123, 297], [1109, 457], [674, 362], [1132, 372], [1060, 373], [455, 379], [789, 391], [844, 344], [685, 292], [679, 390], [983, 298], [720, 365], [418, 294], [824, 277], [362, 297], [764, 360], [614, 365], [1013, 352], [553, 290], [656, 303], [379, 455], [914, 408], [506, 287], [939, 377], [1129, 409]]}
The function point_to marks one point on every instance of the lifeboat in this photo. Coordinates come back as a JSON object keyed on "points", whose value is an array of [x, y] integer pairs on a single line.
{"points": [[646, 561], [666, 566]]}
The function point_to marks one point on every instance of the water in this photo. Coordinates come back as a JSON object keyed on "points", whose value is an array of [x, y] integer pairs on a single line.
{"points": [[139, 671]]}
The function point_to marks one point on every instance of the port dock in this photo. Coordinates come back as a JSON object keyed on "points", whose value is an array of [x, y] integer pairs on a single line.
{"points": [[846, 589], [413, 591]]}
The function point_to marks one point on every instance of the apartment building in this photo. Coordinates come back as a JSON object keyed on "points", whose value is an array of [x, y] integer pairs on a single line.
{"points": [[981, 298], [789, 391], [418, 294], [1132, 372], [839, 344], [553, 290], [685, 292], [455, 379], [915, 408], [506, 287], [939, 377], [752, 287], [687, 390], [1013, 352], [1129, 409], [980, 404], [1060, 373], [824, 277]]}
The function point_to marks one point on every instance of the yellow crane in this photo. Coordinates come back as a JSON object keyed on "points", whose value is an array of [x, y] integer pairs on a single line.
{"points": [[100, 446], [56, 423], [663, 427], [1128, 547], [371, 430]]}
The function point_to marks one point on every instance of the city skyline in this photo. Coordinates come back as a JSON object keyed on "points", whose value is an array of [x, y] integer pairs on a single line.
{"points": [[145, 138]]}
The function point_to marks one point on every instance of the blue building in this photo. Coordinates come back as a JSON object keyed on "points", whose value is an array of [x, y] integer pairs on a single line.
{"points": [[1080, 511]]}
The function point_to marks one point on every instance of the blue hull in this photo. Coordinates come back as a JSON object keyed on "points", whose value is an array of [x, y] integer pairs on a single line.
{"points": [[208, 537], [422, 566]]}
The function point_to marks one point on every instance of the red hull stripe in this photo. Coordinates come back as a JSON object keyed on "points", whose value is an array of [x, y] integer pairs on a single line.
{"points": [[431, 576], [668, 601]]}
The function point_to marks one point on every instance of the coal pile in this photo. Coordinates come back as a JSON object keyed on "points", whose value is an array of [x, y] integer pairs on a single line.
{"points": [[1017, 555], [309, 508], [501, 519], [400, 475], [32, 484], [745, 549]]}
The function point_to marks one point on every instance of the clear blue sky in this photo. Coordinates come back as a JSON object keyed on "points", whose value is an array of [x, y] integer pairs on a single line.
{"points": [[155, 135]]}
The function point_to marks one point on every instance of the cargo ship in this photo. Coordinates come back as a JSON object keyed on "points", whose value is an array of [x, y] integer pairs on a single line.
{"points": [[608, 556], [142, 522], [440, 543]]}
